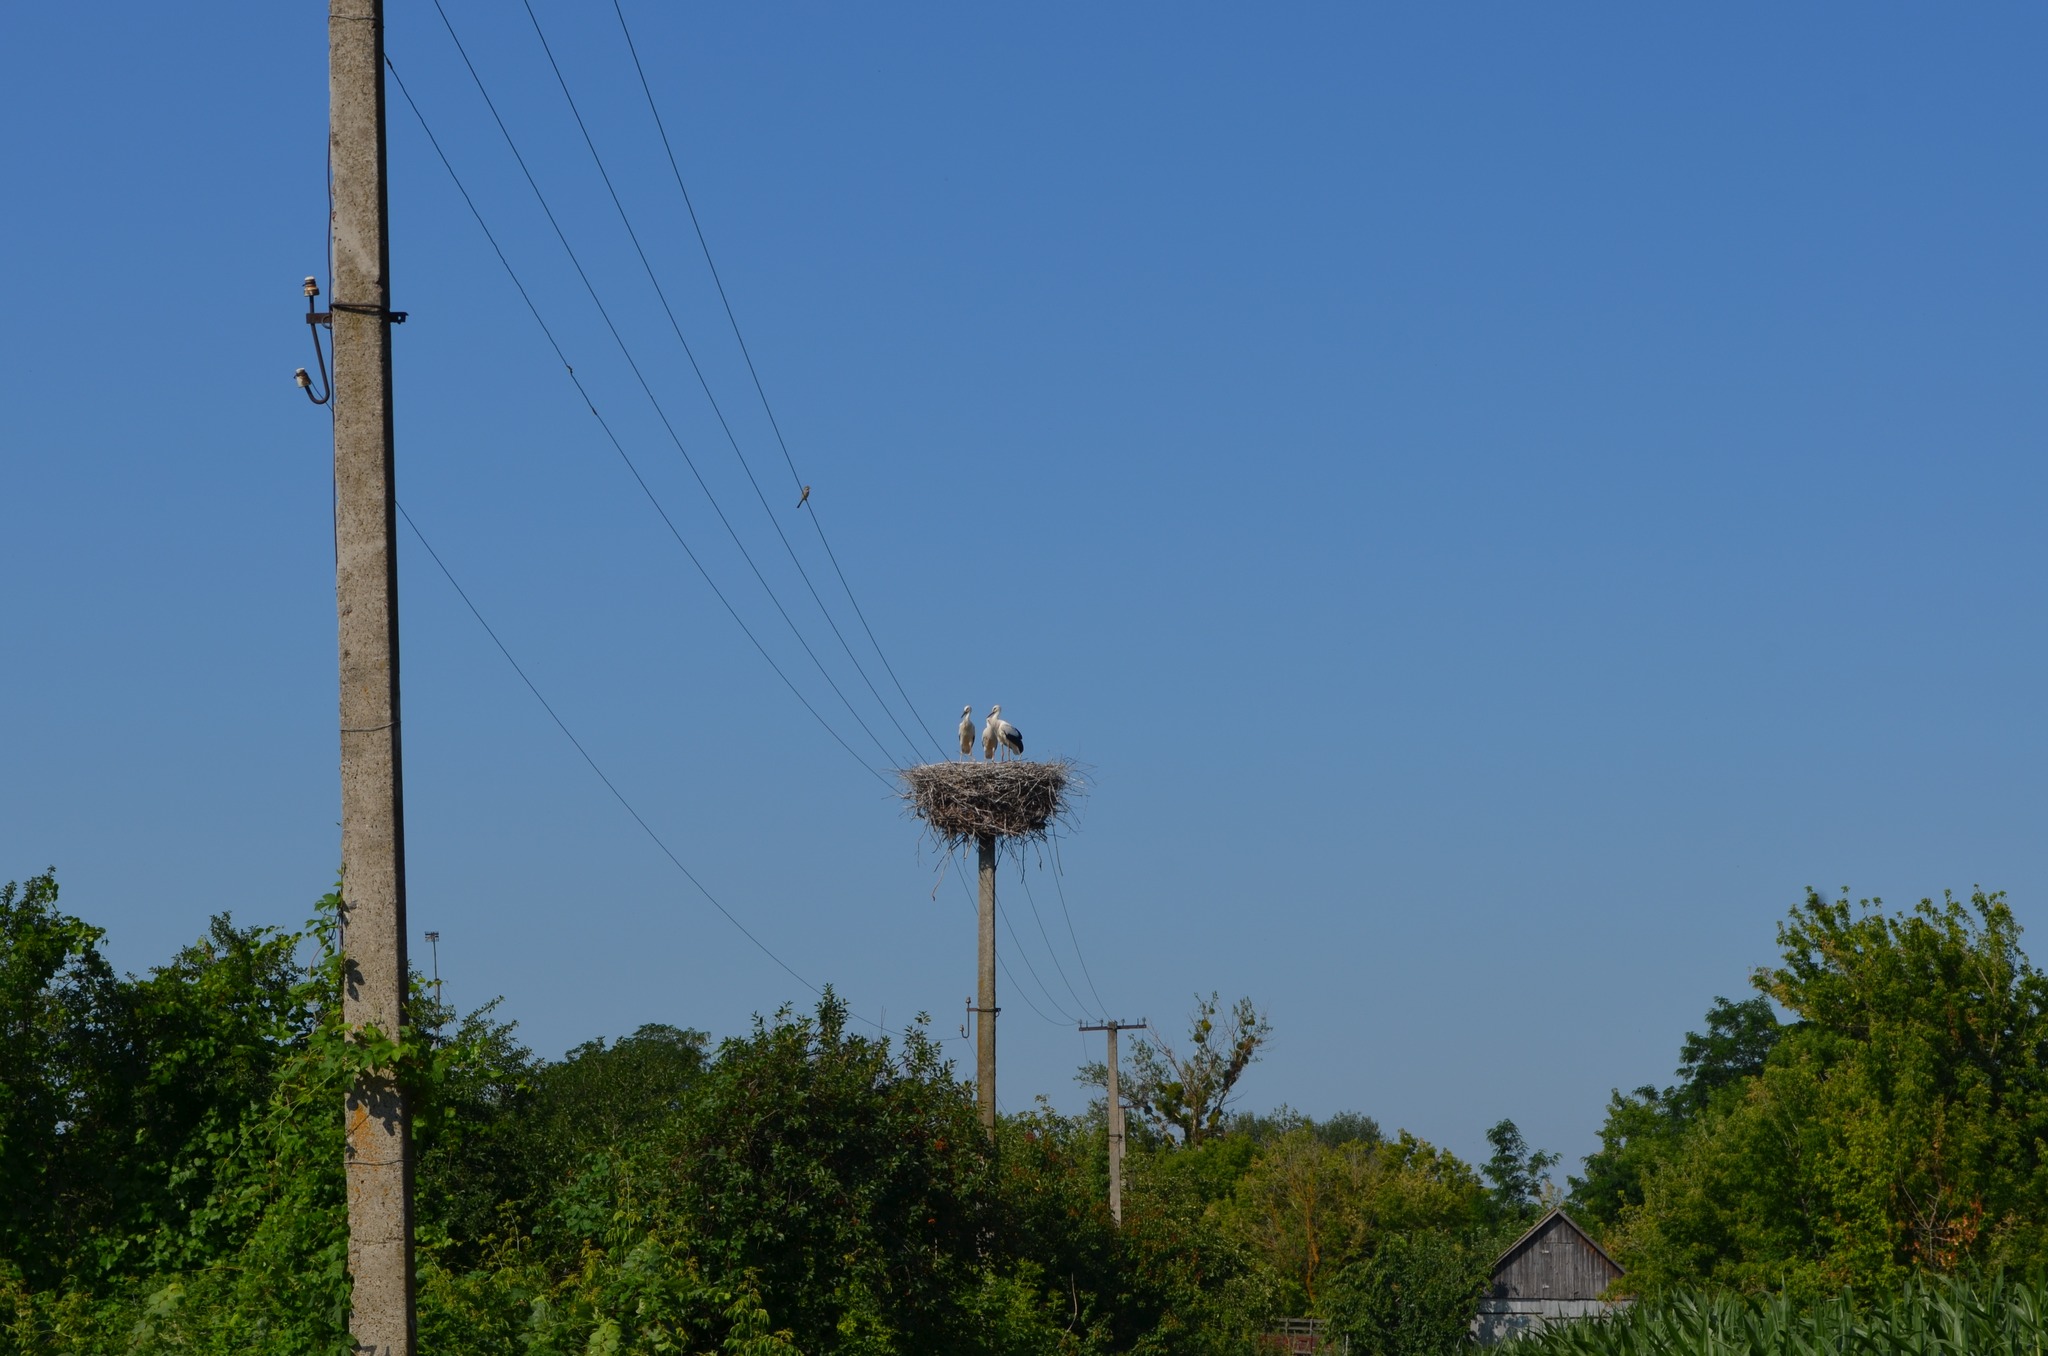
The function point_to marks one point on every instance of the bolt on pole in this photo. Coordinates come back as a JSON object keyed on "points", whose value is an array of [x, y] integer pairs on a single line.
{"points": [[379, 1143]]}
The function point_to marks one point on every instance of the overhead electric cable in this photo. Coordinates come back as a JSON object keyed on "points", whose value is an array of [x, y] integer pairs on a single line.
{"points": [[613, 438], [817, 523], [626, 352], [974, 904], [675, 326], [609, 785], [1018, 989], [1057, 872], [1046, 937]]}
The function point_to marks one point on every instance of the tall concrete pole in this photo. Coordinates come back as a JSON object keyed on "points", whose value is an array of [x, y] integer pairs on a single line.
{"points": [[379, 1153], [1116, 1118], [1116, 1136], [985, 992]]}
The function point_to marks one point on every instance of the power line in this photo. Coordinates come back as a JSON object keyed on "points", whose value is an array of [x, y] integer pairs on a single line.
{"points": [[1059, 871], [816, 522], [1010, 975], [626, 352], [609, 785], [1060, 970], [613, 438], [674, 325], [654, 501]]}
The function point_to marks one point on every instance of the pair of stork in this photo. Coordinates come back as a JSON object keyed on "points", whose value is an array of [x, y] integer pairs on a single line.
{"points": [[996, 736]]}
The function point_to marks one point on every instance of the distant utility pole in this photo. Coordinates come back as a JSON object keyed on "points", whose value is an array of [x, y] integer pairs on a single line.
{"points": [[985, 1008], [379, 1153], [434, 941], [1116, 1119]]}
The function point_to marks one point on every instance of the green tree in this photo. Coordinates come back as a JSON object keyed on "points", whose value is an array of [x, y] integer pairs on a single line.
{"points": [[1415, 1296], [844, 1173], [1737, 1041], [1310, 1208], [1190, 1093], [1643, 1128], [1898, 1125], [1639, 1133], [117, 1095], [601, 1095], [1519, 1175], [62, 1065]]}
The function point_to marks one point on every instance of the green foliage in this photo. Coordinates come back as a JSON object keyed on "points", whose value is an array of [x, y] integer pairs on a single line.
{"points": [[1310, 1208], [1519, 1175], [61, 1072], [1188, 1283], [850, 1177], [1190, 1093], [1415, 1296], [1643, 1128], [176, 1182], [1639, 1134], [1346, 1127], [602, 1095], [126, 1105], [1951, 1316], [1738, 1039], [1896, 1127]]}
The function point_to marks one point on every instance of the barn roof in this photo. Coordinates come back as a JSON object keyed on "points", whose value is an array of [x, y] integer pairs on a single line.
{"points": [[1556, 1213]]}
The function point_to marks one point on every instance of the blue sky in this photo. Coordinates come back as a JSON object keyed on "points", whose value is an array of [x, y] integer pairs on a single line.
{"points": [[1501, 498]]}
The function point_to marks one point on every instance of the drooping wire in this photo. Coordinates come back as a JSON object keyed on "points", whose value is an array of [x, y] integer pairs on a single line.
{"points": [[1061, 970], [703, 382], [609, 785], [1051, 1001], [613, 438], [816, 523], [975, 905], [319, 359], [626, 352], [1058, 871]]}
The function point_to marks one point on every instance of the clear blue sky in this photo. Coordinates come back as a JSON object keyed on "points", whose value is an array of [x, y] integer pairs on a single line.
{"points": [[1502, 497]]}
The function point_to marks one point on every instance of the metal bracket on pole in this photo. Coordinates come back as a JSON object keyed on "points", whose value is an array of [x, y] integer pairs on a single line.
{"points": [[327, 317]]}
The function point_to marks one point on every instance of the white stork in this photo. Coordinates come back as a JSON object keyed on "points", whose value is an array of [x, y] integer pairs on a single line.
{"points": [[988, 736], [967, 731], [1007, 735]]}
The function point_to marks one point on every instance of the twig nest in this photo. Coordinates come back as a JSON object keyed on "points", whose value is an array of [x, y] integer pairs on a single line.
{"points": [[961, 802]]}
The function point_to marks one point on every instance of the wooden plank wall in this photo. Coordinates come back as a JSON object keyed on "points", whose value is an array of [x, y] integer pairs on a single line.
{"points": [[1556, 1264]]}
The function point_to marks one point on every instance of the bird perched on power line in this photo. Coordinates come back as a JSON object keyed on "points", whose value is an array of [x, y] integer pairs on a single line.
{"points": [[806, 498], [967, 731], [1007, 736]]}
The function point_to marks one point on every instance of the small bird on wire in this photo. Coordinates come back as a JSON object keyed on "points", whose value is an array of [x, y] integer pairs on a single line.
{"points": [[806, 497], [1007, 736], [967, 731]]}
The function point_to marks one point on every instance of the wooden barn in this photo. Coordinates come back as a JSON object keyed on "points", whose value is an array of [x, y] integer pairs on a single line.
{"points": [[1552, 1274]]}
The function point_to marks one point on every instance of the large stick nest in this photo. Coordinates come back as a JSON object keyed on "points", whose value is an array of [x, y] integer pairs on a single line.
{"points": [[962, 802]]}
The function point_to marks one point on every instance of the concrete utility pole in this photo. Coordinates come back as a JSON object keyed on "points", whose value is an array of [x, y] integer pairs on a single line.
{"points": [[985, 1008], [379, 1154], [1116, 1119]]}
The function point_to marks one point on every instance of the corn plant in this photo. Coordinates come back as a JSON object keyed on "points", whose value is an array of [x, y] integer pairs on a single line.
{"points": [[1988, 1316]]}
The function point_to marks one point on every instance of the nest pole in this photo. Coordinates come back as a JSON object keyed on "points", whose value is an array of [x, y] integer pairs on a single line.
{"points": [[985, 1008], [989, 804]]}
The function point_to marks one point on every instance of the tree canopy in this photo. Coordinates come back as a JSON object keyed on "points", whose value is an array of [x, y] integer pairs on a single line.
{"points": [[1896, 1124], [175, 1182]]}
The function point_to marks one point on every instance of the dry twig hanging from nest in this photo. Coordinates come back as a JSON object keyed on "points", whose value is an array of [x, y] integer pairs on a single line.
{"points": [[961, 802]]}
